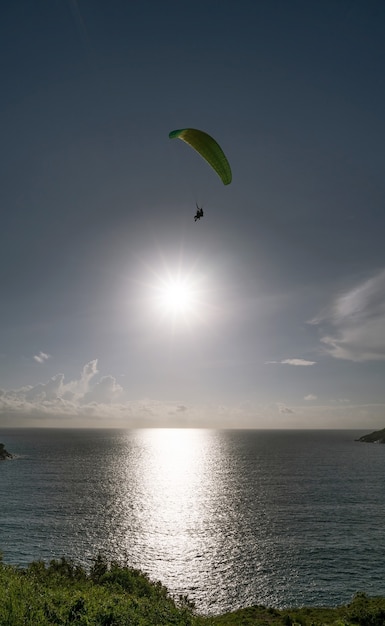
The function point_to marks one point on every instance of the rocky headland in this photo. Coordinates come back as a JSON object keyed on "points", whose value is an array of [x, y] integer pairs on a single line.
{"points": [[378, 436], [4, 454]]}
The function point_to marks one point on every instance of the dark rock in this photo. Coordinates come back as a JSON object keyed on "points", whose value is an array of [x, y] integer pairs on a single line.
{"points": [[378, 436], [3, 453]]}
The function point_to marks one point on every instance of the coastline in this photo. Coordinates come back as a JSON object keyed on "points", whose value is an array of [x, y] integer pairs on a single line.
{"points": [[4, 454]]}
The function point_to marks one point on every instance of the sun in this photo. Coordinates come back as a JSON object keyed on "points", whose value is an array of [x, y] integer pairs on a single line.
{"points": [[177, 299], [176, 296]]}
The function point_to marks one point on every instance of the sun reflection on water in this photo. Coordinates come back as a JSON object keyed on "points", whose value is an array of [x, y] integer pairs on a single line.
{"points": [[176, 462], [174, 473], [227, 518], [168, 524], [184, 509]]}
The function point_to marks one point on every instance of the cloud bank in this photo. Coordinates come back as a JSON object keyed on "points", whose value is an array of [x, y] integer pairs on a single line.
{"points": [[353, 325], [95, 401], [92, 400], [57, 397]]}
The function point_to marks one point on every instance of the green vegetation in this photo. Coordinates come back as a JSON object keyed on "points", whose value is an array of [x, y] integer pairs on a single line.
{"points": [[64, 594]]}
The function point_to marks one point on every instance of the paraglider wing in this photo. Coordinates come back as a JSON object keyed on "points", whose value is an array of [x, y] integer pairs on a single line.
{"points": [[208, 148]]}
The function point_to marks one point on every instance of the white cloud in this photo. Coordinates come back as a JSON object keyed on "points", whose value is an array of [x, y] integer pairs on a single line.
{"points": [[87, 401], [79, 391], [310, 397], [353, 325], [282, 408], [298, 362], [42, 357], [106, 391], [44, 391], [88, 372], [92, 402]]}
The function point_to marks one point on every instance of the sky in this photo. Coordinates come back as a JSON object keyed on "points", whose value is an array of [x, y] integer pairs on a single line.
{"points": [[117, 309]]}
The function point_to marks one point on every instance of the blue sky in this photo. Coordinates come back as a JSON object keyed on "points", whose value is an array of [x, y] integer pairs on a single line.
{"points": [[282, 319]]}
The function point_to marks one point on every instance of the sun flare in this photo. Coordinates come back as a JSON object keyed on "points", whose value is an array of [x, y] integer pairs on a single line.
{"points": [[176, 296], [180, 297]]}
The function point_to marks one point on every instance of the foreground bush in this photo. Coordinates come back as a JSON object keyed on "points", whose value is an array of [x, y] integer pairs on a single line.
{"points": [[109, 594], [64, 594]]}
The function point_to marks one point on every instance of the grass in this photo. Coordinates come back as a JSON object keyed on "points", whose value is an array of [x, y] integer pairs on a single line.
{"points": [[62, 593]]}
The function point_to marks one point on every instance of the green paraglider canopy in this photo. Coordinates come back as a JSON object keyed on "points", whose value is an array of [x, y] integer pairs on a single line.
{"points": [[208, 148]]}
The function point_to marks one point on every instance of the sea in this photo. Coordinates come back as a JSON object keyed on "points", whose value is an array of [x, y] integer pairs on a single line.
{"points": [[230, 518]]}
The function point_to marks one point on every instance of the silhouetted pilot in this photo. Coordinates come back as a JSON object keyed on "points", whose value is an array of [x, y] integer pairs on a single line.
{"points": [[198, 214]]}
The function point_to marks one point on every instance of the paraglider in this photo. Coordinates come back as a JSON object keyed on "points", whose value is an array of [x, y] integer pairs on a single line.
{"points": [[198, 214], [209, 150]]}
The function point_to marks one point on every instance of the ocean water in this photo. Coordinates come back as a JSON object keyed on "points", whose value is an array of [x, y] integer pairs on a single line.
{"points": [[230, 518]]}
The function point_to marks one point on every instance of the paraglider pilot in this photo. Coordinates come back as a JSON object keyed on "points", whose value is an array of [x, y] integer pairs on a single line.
{"points": [[198, 214]]}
